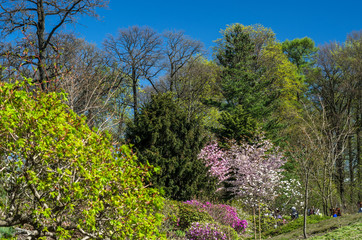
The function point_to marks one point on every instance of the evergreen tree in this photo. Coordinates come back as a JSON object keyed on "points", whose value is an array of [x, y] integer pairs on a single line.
{"points": [[237, 124], [243, 97], [166, 138], [238, 78]]}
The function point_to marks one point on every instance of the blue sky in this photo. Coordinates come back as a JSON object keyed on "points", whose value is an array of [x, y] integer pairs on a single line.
{"points": [[321, 20]]}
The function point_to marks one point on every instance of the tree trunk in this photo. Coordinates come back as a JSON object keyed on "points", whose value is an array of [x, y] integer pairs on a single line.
{"points": [[358, 143], [305, 204], [259, 221], [135, 100], [41, 44], [340, 168], [254, 222], [351, 167]]}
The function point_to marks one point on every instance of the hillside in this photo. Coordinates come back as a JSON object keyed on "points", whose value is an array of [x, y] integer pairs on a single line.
{"points": [[345, 227]]}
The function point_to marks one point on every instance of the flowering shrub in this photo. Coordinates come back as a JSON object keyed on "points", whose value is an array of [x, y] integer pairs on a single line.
{"points": [[223, 214], [205, 231]]}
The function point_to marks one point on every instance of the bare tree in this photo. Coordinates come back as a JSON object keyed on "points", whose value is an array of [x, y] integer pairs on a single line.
{"points": [[93, 88], [317, 149], [43, 18], [332, 87], [179, 50], [349, 60], [137, 52]]}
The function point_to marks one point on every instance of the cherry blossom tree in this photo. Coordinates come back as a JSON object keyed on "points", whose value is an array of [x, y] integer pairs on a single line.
{"points": [[251, 172], [255, 171], [214, 158]]}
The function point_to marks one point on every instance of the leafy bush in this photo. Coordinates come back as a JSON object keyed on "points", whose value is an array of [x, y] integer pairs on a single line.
{"points": [[267, 220], [170, 212], [6, 232], [205, 231], [65, 180], [223, 214], [229, 231], [189, 214]]}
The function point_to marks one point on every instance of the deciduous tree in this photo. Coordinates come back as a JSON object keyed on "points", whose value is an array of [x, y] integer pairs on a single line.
{"points": [[137, 52], [61, 180], [43, 19]]}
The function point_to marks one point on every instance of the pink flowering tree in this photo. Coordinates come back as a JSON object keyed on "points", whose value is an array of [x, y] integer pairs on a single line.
{"points": [[251, 172], [214, 158], [255, 171]]}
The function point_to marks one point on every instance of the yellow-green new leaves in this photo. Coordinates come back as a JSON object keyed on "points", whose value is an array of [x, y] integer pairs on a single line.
{"points": [[287, 84], [65, 180]]}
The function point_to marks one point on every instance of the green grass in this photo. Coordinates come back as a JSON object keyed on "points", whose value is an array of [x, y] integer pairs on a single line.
{"points": [[353, 231], [293, 225], [326, 227]]}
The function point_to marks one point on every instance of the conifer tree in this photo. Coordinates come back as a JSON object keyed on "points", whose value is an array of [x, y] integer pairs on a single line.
{"points": [[165, 137]]}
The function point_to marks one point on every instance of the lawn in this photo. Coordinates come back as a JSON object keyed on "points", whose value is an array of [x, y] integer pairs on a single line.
{"points": [[345, 227]]}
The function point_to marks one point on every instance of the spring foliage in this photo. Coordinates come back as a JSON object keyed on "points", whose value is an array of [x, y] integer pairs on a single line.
{"points": [[65, 180]]}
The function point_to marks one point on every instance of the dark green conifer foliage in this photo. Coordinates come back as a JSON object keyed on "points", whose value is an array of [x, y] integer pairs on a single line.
{"points": [[238, 125], [243, 92], [235, 55], [166, 138]]}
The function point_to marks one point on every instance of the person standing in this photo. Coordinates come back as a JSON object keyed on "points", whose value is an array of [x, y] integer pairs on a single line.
{"points": [[294, 214]]}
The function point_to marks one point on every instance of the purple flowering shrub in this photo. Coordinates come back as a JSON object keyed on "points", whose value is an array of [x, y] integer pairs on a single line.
{"points": [[223, 214], [205, 231]]}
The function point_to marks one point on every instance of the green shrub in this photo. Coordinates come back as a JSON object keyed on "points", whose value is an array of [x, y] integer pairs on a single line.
{"points": [[170, 214], [168, 138], [180, 233], [229, 231], [189, 214], [6, 232], [66, 180]]}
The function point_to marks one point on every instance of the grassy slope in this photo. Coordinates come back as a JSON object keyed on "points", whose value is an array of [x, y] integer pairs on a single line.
{"points": [[323, 227], [353, 231]]}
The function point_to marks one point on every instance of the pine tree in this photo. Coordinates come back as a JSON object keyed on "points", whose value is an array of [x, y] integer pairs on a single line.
{"points": [[165, 137]]}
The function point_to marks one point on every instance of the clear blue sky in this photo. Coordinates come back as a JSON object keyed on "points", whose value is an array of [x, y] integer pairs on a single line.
{"points": [[321, 20]]}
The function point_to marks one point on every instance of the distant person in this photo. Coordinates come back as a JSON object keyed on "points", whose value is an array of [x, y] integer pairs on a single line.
{"points": [[277, 214], [339, 213], [311, 211], [359, 204], [294, 214], [332, 212]]}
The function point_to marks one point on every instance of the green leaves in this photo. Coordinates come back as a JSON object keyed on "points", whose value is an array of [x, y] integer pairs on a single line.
{"points": [[66, 179]]}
